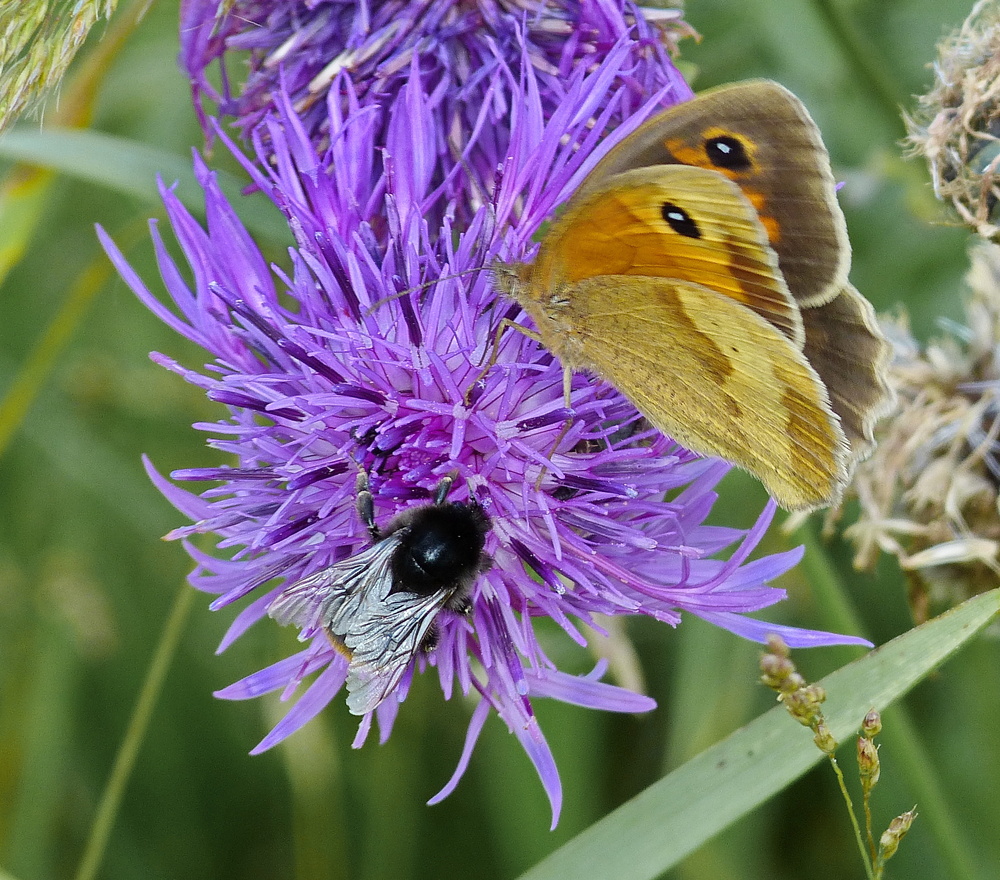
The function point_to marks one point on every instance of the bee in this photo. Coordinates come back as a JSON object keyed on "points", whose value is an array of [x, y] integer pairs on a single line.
{"points": [[378, 607]]}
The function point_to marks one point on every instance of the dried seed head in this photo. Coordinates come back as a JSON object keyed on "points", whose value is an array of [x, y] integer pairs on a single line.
{"points": [[824, 739], [871, 726], [777, 669], [804, 704], [868, 763], [957, 127], [803, 701], [929, 493]]}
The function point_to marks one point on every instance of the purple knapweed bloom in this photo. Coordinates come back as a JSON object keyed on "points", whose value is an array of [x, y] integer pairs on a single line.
{"points": [[373, 352], [333, 57]]}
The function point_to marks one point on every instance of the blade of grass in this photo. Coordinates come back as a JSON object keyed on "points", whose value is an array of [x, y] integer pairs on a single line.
{"points": [[111, 799], [35, 371], [316, 781], [654, 831], [863, 59], [130, 167]]}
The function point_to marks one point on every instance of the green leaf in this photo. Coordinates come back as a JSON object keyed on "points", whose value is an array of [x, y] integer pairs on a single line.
{"points": [[654, 831], [131, 167]]}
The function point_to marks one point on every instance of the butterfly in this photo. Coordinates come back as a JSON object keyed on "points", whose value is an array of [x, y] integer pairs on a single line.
{"points": [[701, 268]]}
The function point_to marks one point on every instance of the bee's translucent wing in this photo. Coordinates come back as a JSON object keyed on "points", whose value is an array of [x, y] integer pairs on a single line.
{"points": [[330, 598], [353, 601], [383, 638]]}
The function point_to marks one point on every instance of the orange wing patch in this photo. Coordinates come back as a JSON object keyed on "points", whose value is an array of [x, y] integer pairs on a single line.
{"points": [[674, 221], [687, 153]]}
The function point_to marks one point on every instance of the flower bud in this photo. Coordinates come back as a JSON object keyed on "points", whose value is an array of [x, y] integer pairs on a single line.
{"points": [[891, 838], [868, 763], [872, 724]]}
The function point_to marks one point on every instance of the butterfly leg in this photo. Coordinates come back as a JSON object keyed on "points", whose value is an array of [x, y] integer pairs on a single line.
{"points": [[494, 353], [365, 506], [567, 380], [567, 399], [567, 389]]}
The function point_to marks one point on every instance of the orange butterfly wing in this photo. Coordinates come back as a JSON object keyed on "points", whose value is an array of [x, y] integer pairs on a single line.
{"points": [[760, 136], [675, 222], [663, 283]]}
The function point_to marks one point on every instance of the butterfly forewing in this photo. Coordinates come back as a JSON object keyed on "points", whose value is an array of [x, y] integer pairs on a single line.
{"points": [[760, 136], [671, 222], [679, 325], [718, 379]]}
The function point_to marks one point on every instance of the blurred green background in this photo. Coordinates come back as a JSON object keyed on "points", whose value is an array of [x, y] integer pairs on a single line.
{"points": [[86, 585]]}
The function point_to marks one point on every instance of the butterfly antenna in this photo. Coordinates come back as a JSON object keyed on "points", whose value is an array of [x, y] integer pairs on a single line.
{"points": [[401, 293]]}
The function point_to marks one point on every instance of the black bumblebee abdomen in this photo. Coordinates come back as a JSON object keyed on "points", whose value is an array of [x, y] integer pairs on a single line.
{"points": [[442, 547]]}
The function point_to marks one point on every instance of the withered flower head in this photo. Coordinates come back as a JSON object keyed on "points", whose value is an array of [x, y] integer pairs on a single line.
{"points": [[957, 127], [929, 492]]}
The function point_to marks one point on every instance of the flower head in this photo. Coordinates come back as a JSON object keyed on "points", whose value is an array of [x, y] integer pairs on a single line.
{"points": [[332, 58], [374, 354]]}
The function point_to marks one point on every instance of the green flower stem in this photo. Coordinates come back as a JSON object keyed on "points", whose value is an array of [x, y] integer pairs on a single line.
{"points": [[900, 737], [872, 846], [858, 837], [111, 799]]}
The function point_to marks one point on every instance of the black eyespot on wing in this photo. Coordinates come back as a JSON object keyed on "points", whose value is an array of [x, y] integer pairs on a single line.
{"points": [[726, 151], [679, 220]]}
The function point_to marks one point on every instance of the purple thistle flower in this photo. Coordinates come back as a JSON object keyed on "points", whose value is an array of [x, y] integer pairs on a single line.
{"points": [[332, 57], [369, 354]]}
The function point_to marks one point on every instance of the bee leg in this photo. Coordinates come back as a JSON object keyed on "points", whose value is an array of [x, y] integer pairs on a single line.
{"points": [[430, 640], [444, 487], [366, 507], [460, 604]]}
